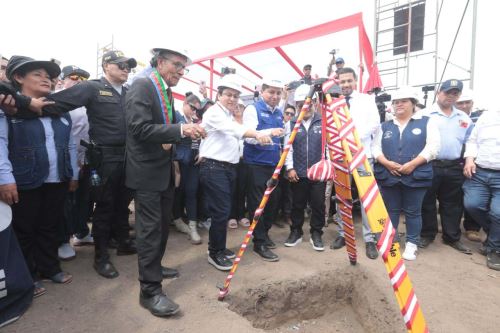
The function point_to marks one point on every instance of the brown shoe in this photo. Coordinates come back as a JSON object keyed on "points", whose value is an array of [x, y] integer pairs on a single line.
{"points": [[473, 236]]}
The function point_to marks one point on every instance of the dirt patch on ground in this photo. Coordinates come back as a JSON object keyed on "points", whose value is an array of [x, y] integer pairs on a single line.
{"points": [[458, 293]]}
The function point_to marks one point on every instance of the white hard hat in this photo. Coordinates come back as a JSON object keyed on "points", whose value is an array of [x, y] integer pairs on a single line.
{"points": [[230, 81], [181, 52], [466, 95], [405, 92], [301, 92], [273, 83]]}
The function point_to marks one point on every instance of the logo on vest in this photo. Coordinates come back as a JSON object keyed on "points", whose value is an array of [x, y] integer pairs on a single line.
{"points": [[416, 131], [387, 135], [64, 121], [265, 115]]}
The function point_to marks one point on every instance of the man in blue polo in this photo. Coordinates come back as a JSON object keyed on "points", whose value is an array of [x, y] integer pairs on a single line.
{"points": [[261, 161], [454, 127]]}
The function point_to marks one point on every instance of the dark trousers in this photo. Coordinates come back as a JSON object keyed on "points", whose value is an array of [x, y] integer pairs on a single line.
{"points": [[399, 198], [306, 191], [111, 209], [77, 210], [35, 218], [188, 191], [238, 205], [469, 223], [153, 213], [258, 175], [447, 189], [286, 195], [217, 179]]}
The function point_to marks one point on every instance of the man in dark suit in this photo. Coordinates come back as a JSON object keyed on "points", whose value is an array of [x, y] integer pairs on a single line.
{"points": [[151, 131]]}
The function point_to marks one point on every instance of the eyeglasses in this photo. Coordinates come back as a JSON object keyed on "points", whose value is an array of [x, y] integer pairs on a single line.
{"points": [[178, 65], [194, 108], [123, 66], [77, 78], [291, 114], [229, 95]]}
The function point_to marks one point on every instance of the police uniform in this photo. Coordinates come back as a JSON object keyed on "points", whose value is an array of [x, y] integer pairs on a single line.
{"points": [[106, 115]]}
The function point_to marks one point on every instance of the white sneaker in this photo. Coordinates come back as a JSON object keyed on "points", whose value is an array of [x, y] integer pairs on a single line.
{"points": [[193, 233], [410, 251], [87, 240], [181, 226], [66, 252]]}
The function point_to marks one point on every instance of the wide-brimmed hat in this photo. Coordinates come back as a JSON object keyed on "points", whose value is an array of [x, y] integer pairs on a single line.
{"points": [[183, 53], [16, 63]]}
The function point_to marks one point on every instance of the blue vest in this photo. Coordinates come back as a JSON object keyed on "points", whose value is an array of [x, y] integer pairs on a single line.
{"points": [[266, 154], [28, 154], [403, 150], [307, 145]]}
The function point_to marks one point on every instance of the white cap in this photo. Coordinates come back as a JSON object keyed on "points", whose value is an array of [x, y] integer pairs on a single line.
{"points": [[301, 92], [273, 83], [182, 53], [466, 95], [230, 81], [405, 92]]}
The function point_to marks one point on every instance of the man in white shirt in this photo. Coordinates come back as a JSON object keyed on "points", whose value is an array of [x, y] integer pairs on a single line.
{"points": [[219, 153], [482, 186], [366, 119]]}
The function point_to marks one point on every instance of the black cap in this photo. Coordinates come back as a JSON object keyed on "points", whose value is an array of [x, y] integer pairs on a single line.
{"points": [[307, 67], [115, 57], [17, 63], [70, 70]]}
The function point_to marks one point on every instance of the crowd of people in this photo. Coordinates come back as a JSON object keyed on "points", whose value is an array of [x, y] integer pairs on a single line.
{"points": [[74, 150]]}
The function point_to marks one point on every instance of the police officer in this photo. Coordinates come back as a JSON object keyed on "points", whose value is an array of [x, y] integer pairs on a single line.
{"points": [[104, 99], [454, 127]]}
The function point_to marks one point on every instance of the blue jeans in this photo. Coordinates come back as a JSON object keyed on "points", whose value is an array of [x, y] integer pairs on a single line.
{"points": [[482, 201], [399, 198], [217, 180]]}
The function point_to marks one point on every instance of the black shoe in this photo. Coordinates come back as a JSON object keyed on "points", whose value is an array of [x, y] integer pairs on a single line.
{"points": [[264, 252], [482, 250], [459, 246], [159, 305], [169, 273], [229, 254], [338, 243], [424, 242], [105, 268], [317, 242], [493, 260], [371, 250], [269, 243], [220, 261], [126, 248], [294, 238]]}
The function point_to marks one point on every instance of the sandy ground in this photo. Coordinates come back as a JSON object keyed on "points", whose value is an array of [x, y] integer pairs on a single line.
{"points": [[458, 293]]}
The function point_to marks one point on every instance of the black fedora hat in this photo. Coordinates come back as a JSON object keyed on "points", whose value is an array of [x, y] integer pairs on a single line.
{"points": [[27, 64]]}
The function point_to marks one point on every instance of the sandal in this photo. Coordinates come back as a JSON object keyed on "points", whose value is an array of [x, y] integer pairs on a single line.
{"points": [[244, 222], [61, 277], [39, 289], [232, 224]]}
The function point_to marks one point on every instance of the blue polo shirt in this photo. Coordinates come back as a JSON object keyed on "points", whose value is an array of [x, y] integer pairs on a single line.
{"points": [[454, 130]]}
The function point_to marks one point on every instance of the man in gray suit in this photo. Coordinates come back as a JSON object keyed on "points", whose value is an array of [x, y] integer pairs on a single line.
{"points": [[151, 131]]}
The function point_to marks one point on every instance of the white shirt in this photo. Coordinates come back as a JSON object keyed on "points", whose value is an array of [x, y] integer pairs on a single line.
{"points": [[288, 132], [484, 141], [366, 119], [432, 141], [251, 121], [80, 130], [223, 135]]}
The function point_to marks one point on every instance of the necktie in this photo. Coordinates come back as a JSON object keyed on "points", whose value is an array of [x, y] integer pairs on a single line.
{"points": [[347, 98]]}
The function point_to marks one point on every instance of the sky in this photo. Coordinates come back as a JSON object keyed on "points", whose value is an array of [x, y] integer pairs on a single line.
{"points": [[71, 31]]}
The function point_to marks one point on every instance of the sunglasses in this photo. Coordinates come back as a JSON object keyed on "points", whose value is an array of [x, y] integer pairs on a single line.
{"points": [[291, 114], [77, 78], [194, 108], [123, 66]]}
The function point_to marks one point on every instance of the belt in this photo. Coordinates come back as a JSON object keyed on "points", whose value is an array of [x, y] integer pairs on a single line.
{"points": [[115, 150], [447, 163], [216, 162]]}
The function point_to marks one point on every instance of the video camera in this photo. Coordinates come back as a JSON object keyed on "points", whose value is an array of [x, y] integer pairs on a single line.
{"points": [[227, 70], [380, 102]]}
